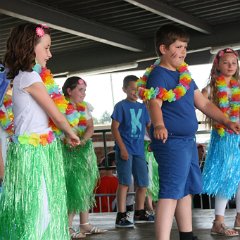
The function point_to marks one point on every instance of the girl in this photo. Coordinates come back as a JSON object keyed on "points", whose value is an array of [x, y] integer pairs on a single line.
{"points": [[33, 204], [221, 175], [80, 163]]}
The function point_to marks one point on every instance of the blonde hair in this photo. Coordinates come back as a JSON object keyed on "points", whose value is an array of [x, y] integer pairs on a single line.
{"points": [[214, 74]]}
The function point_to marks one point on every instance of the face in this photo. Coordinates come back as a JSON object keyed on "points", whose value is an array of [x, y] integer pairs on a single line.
{"points": [[174, 55], [228, 65], [77, 94], [131, 91], [42, 50]]}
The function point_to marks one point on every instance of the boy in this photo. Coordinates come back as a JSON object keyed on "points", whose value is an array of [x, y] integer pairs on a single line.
{"points": [[174, 124], [129, 120]]}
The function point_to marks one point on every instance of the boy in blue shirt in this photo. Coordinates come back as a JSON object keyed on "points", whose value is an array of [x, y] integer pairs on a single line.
{"points": [[174, 125], [129, 121]]}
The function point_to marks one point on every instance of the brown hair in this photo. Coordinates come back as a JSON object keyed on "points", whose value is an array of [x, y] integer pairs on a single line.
{"points": [[71, 83], [167, 35], [20, 54]]}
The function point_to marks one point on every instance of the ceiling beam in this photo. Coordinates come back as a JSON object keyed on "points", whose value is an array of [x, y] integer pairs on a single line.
{"points": [[199, 45], [173, 14], [71, 24]]}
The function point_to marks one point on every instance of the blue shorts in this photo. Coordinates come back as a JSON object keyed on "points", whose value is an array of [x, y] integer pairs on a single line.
{"points": [[178, 168], [135, 165]]}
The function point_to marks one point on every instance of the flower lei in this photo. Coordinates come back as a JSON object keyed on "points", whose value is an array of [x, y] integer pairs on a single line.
{"points": [[82, 123], [229, 106], [162, 93], [6, 116], [60, 101]]}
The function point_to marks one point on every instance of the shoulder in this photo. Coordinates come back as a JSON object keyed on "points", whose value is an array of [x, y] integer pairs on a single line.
{"points": [[89, 106]]}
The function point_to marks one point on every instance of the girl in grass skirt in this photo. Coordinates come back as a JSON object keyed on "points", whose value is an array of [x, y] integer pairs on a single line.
{"points": [[80, 163], [33, 202]]}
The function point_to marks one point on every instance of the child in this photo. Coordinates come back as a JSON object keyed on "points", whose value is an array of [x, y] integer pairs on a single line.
{"points": [[173, 97], [107, 184], [129, 120], [33, 204], [80, 163], [221, 175]]}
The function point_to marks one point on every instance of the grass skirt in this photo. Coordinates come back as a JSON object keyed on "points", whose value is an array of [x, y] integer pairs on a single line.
{"points": [[33, 201], [153, 187], [221, 173], [81, 172]]}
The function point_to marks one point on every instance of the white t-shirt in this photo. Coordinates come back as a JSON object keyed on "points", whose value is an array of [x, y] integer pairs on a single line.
{"points": [[29, 117], [88, 111]]}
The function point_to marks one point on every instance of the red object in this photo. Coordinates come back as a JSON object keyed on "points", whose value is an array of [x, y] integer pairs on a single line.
{"points": [[106, 185]]}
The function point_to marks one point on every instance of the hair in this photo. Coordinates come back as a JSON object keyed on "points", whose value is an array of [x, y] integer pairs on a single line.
{"points": [[214, 74], [20, 49], [128, 79], [71, 83], [168, 34]]}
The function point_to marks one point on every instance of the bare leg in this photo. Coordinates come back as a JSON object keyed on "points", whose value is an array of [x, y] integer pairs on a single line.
{"points": [[121, 197], [164, 217], [70, 218], [183, 214], [140, 198]]}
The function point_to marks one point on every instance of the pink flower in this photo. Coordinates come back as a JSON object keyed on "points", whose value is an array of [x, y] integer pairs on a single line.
{"points": [[40, 32], [81, 81]]}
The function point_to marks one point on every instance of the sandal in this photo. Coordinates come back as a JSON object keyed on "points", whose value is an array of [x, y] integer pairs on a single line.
{"points": [[87, 228], [76, 234], [221, 229]]}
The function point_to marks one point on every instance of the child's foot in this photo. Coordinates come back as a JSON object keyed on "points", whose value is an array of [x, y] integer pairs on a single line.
{"points": [[87, 228], [142, 216], [76, 234], [219, 228], [122, 221]]}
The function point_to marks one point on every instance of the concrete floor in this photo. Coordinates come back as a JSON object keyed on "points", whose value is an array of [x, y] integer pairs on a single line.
{"points": [[202, 222]]}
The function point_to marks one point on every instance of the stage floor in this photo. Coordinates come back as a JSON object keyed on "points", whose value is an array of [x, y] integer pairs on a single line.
{"points": [[202, 222]]}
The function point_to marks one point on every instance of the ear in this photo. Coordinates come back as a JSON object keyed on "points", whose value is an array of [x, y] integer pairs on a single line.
{"points": [[124, 89], [69, 91], [162, 49]]}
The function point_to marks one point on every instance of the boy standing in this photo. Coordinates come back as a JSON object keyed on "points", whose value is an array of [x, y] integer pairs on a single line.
{"points": [[173, 97], [129, 120]]}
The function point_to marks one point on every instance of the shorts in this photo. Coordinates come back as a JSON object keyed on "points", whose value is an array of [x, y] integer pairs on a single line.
{"points": [[178, 168], [135, 165]]}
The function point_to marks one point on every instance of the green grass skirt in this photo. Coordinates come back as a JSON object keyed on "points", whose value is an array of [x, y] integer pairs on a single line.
{"points": [[153, 187], [33, 201], [81, 172]]}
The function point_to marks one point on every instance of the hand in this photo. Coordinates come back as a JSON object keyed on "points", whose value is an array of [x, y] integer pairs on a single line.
{"points": [[160, 132], [73, 140], [235, 127], [124, 154]]}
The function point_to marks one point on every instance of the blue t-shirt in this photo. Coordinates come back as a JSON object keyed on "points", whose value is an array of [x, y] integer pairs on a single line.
{"points": [[133, 119], [179, 116]]}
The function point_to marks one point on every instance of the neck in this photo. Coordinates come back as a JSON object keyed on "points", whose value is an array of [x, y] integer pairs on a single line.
{"points": [[167, 65]]}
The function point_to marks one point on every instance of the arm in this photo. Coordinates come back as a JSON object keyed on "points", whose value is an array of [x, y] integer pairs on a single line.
{"points": [[39, 93], [118, 139], [212, 111], [89, 131], [160, 132]]}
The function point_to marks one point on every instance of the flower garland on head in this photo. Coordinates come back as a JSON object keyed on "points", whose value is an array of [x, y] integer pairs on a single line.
{"points": [[230, 106], [162, 93], [6, 116]]}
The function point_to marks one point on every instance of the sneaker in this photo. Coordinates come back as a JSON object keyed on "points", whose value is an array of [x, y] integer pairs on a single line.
{"points": [[142, 216], [122, 220]]}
